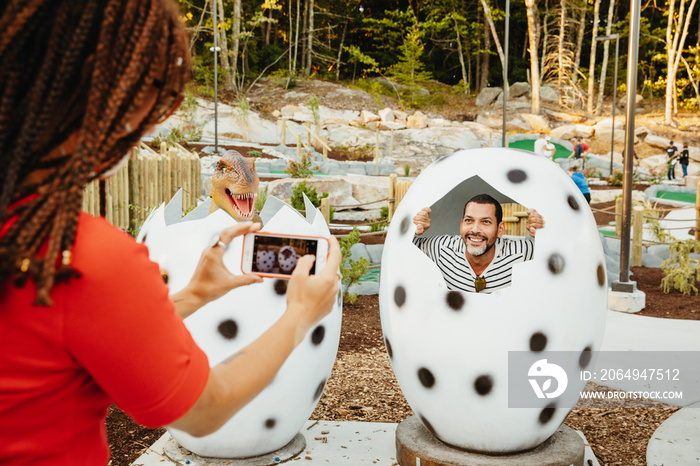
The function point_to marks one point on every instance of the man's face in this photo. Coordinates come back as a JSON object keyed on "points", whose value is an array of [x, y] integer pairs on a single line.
{"points": [[479, 228]]}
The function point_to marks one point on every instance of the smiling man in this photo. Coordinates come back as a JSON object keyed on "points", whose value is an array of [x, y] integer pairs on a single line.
{"points": [[478, 259]]}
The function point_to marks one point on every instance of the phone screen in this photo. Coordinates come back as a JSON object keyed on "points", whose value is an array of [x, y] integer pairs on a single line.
{"points": [[280, 254]]}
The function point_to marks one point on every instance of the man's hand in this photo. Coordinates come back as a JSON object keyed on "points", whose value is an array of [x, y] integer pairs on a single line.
{"points": [[422, 220], [534, 222]]}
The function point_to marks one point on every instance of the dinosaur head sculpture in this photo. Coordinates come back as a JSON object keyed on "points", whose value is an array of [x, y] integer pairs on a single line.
{"points": [[235, 186]]}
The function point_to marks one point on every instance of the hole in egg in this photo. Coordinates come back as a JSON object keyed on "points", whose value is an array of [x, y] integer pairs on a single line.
{"points": [[458, 226]]}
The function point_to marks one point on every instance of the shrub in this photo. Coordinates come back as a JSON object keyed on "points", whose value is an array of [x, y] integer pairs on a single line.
{"points": [[297, 199], [680, 271], [300, 169], [351, 270]]}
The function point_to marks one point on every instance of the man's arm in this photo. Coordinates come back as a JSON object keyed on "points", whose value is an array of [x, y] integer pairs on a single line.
{"points": [[422, 220]]}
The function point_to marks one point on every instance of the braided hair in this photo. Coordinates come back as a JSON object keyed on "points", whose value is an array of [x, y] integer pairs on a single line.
{"points": [[74, 67]]}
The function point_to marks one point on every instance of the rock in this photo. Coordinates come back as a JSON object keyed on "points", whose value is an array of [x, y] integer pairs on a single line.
{"points": [[607, 123], [302, 115], [392, 126], [359, 250], [375, 253], [367, 117], [289, 110], [605, 135], [549, 94], [641, 132], [561, 116], [519, 89], [335, 121], [400, 115], [417, 121], [657, 141], [536, 122], [488, 95], [564, 132], [386, 115], [438, 123], [489, 120], [584, 131], [276, 114]]}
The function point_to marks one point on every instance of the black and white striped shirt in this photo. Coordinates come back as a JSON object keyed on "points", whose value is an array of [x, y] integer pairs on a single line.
{"points": [[448, 252]]}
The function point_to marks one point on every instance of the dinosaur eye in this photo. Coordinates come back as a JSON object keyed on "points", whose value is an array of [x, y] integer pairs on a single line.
{"points": [[223, 170]]}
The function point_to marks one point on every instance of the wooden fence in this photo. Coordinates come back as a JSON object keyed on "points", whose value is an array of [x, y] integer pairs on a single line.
{"points": [[146, 181]]}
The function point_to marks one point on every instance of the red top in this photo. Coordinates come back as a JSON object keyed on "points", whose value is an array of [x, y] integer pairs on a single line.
{"points": [[111, 336]]}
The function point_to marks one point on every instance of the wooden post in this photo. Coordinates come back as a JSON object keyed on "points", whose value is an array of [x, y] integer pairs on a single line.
{"points": [[325, 146], [299, 146], [507, 136], [308, 135], [326, 210], [618, 217], [392, 196], [376, 153], [637, 230], [284, 131], [391, 144], [490, 136]]}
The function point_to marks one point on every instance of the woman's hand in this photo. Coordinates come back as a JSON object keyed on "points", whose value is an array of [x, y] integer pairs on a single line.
{"points": [[211, 279], [311, 297]]}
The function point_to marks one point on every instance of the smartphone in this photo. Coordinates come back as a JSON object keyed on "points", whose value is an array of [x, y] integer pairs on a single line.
{"points": [[276, 255]]}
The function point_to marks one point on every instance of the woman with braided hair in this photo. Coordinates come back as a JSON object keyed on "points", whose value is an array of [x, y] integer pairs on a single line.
{"points": [[85, 318]]}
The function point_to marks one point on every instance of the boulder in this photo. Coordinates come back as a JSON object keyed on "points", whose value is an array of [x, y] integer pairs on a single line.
{"points": [[641, 132], [584, 131], [536, 122], [518, 90], [488, 95], [549, 94], [607, 123], [367, 117], [289, 110], [562, 116], [658, 141], [605, 135], [564, 132], [417, 121], [438, 123], [386, 115], [391, 126], [400, 115]]}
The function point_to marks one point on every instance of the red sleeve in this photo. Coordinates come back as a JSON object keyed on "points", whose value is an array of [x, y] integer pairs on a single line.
{"points": [[122, 328]]}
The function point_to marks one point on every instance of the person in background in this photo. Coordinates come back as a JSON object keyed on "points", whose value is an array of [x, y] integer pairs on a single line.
{"points": [[580, 181], [672, 154], [549, 148], [539, 145], [684, 159], [579, 153], [85, 317]]}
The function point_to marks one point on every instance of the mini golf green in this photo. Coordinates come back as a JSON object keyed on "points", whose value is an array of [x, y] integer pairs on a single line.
{"points": [[675, 196], [529, 145]]}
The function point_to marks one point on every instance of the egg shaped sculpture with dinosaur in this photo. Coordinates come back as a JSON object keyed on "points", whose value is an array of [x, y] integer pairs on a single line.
{"points": [[235, 185], [223, 327], [453, 351]]}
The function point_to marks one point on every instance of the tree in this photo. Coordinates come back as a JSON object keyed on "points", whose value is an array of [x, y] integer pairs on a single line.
{"points": [[606, 49], [533, 37], [676, 33], [591, 68]]}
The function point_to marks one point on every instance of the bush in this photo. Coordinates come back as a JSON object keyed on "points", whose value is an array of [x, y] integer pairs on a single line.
{"points": [[300, 169], [297, 199], [680, 271], [351, 270]]}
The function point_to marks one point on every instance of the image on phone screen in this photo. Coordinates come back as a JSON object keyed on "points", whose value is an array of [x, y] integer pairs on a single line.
{"points": [[279, 254]]}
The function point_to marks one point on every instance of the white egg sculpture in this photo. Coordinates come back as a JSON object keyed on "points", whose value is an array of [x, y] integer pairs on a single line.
{"points": [[287, 258], [223, 327], [449, 349], [265, 260]]}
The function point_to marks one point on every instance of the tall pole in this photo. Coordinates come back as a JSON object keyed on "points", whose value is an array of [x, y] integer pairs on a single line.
{"points": [[612, 133], [216, 82], [624, 283], [505, 71]]}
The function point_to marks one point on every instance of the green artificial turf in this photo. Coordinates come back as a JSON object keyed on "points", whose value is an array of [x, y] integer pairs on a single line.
{"points": [[529, 144], [675, 196]]}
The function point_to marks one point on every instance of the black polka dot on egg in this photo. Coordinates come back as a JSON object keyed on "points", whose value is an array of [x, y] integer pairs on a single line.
{"points": [[270, 423], [318, 334], [228, 329], [585, 358], [573, 203], [405, 225], [455, 300], [319, 390], [538, 341], [389, 351], [400, 295], [600, 272], [427, 379], [280, 287], [547, 413], [483, 384], [555, 263], [517, 176]]}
